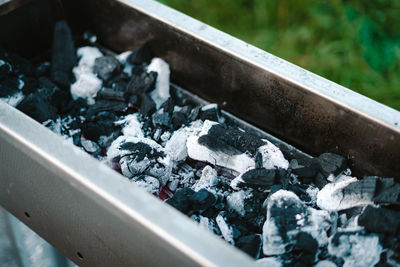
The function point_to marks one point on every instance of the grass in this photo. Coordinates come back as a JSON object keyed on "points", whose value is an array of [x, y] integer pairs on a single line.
{"points": [[353, 43]]}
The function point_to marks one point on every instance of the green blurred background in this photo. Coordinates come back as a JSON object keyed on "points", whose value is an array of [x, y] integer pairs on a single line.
{"points": [[353, 43]]}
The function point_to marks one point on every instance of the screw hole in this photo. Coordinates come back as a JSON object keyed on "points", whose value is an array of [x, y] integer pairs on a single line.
{"points": [[79, 255], [27, 214]]}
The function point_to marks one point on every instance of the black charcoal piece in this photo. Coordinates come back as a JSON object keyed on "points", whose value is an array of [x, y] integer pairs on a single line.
{"points": [[331, 163], [5, 70], [63, 57], [202, 200], [105, 105], [168, 106], [161, 119], [141, 82], [36, 107], [387, 191], [30, 85], [251, 244], [111, 94], [380, 220], [141, 55], [43, 69], [134, 100], [306, 171], [260, 177], [147, 105], [305, 249], [107, 66], [178, 119], [180, 200], [300, 190], [220, 138], [19, 65], [92, 130], [320, 180], [9, 86]]}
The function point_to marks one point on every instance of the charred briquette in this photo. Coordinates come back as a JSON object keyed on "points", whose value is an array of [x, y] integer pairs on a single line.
{"points": [[380, 220], [107, 66], [141, 55], [202, 200], [259, 177], [304, 249], [63, 55], [387, 191], [105, 105], [38, 108], [9, 86], [251, 244], [331, 163], [180, 200], [111, 94], [320, 180], [141, 82], [147, 105]]}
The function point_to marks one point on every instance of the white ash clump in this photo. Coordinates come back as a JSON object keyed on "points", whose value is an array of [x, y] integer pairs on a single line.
{"points": [[233, 183]]}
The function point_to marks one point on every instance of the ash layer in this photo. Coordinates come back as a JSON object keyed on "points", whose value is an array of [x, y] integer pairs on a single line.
{"points": [[122, 110]]}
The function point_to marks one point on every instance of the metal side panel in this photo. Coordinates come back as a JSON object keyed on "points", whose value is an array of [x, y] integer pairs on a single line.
{"points": [[89, 212], [302, 108]]}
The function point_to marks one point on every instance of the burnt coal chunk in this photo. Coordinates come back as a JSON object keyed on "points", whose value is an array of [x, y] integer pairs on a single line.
{"points": [[106, 66], [202, 200], [387, 191], [141, 55], [260, 177], [30, 85], [111, 94], [9, 86], [105, 105], [178, 119], [63, 57], [320, 180], [141, 150], [300, 191], [307, 171], [181, 199], [43, 69], [194, 113], [331, 163], [304, 249], [92, 130], [161, 119], [141, 81], [5, 70], [19, 65], [380, 220], [147, 105], [37, 107], [212, 113]]}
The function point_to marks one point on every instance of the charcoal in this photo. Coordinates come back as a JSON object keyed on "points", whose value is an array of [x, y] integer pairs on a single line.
{"points": [[105, 105], [147, 105], [380, 220], [300, 191], [168, 106], [331, 163], [161, 119], [30, 85], [111, 94], [304, 249], [387, 191], [92, 130], [5, 70], [307, 171], [208, 179], [194, 113], [134, 100], [19, 65], [106, 66], [43, 69], [141, 82], [181, 199], [259, 177], [36, 107], [202, 200], [9, 86], [320, 180], [178, 119], [63, 57], [210, 112], [90, 147], [347, 193], [141, 55], [225, 228]]}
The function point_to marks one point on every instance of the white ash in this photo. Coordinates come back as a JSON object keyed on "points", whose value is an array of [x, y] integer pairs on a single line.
{"points": [[90, 146], [209, 106], [161, 93], [87, 84], [236, 200], [131, 126], [208, 179], [356, 250], [333, 196], [165, 137], [176, 146], [225, 228], [272, 156], [14, 99], [173, 184], [122, 58], [325, 263], [312, 191], [269, 262], [148, 183]]}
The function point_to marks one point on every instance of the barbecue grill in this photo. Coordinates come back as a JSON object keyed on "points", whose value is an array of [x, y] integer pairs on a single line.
{"points": [[93, 215]]}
